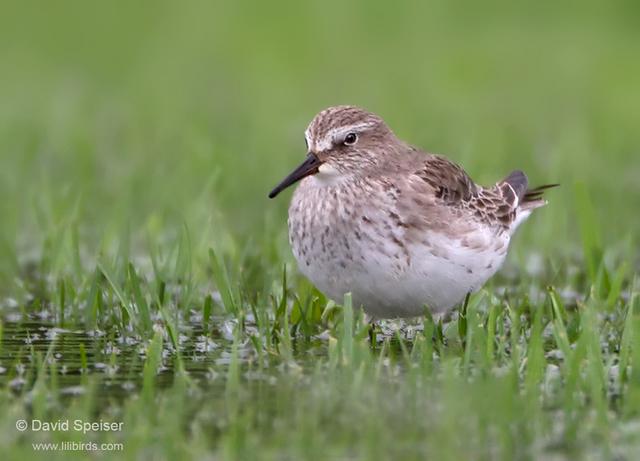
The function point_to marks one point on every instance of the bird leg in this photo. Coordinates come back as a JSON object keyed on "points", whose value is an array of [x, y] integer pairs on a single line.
{"points": [[372, 332], [462, 321]]}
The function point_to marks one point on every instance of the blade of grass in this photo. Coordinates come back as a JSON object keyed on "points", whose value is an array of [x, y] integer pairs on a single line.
{"points": [[141, 302], [221, 279], [121, 298], [589, 230]]}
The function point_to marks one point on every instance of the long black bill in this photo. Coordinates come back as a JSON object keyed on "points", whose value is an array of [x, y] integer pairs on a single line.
{"points": [[309, 166]]}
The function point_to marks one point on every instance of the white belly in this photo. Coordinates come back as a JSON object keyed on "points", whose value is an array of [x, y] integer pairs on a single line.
{"points": [[343, 248], [438, 277]]}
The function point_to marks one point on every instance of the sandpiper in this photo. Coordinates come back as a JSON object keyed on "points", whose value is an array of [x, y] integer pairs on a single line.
{"points": [[398, 228]]}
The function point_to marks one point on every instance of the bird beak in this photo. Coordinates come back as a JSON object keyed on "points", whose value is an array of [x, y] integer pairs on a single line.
{"points": [[306, 168]]}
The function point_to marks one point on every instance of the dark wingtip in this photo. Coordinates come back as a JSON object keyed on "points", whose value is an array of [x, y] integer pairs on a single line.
{"points": [[546, 186], [536, 194]]}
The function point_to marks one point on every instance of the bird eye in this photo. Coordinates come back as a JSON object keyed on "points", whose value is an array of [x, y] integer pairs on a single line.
{"points": [[350, 139]]}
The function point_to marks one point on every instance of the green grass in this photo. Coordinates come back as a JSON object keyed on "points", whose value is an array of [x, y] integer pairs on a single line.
{"points": [[145, 278]]}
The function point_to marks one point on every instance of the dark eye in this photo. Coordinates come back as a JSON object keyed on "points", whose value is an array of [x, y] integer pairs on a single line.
{"points": [[350, 139]]}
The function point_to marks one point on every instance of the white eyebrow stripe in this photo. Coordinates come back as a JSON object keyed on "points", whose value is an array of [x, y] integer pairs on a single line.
{"points": [[308, 139], [337, 133]]}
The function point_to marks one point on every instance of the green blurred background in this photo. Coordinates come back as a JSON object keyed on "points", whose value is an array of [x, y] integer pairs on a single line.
{"points": [[148, 116]]}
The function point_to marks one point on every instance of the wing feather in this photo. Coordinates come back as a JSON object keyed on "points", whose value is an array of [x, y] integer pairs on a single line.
{"points": [[497, 206], [450, 182]]}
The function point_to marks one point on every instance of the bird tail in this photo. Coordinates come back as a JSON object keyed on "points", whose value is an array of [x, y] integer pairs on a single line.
{"points": [[522, 200], [534, 198], [528, 199]]}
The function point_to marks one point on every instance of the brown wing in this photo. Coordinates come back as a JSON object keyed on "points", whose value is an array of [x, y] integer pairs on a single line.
{"points": [[436, 196], [450, 182], [495, 206]]}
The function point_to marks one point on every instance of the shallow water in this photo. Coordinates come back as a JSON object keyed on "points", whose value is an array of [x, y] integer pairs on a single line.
{"points": [[117, 362]]}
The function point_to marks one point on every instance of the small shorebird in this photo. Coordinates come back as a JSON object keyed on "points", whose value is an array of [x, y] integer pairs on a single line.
{"points": [[398, 228]]}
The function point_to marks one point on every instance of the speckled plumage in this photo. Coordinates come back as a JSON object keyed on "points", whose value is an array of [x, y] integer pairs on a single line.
{"points": [[398, 228]]}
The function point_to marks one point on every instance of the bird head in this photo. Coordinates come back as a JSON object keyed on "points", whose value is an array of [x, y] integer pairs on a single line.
{"points": [[342, 141]]}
